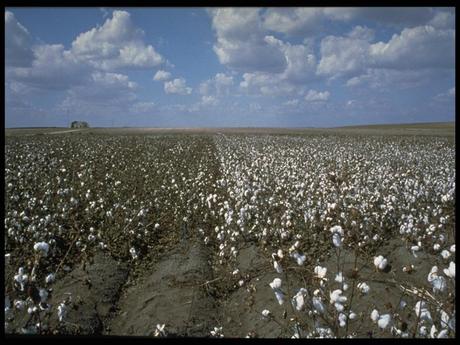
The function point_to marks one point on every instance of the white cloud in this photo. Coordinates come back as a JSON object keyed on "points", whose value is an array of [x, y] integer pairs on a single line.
{"points": [[53, 68], [116, 44], [143, 107], [418, 47], [162, 75], [343, 56], [18, 52], [362, 33], [266, 84], [317, 96], [177, 86], [443, 20], [292, 102], [220, 84], [300, 20], [209, 100], [240, 41]]}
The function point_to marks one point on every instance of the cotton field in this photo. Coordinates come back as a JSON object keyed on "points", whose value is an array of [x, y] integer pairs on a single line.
{"points": [[230, 235]]}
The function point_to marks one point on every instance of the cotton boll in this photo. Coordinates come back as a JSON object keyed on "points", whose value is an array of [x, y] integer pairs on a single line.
{"points": [[380, 262], [62, 311], [384, 321], [363, 287], [318, 305], [42, 248], [433, 331], [266, 313], [342, 320], [280, 297], [50, 278], [445, 254], [423, 331], [450, 271], [277, 267], [452, 248], [320, 272], [298, 300], [276, 283], [436, 247], [375, 315], [337, 240], [443, 334]]}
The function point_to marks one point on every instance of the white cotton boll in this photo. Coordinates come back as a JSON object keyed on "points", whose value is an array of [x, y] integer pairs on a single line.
{"points": [[43, 295], [443, 334], [42, 248], [298, 300], [414, 249], [339, 277], [266, 313], [280, 253], [320, 272], [352, 316], [235, 272], [452, 248], [133, 253], [384, 321], [62, 311], [380, 262], [336, 296], [342, 320], [337, 229], [450, 271], [241, 282], [445, 254], [436, 247], [363, 287], [276, 283], [318, 305], [337, 240], [277, 267], [19, 304], [439, 284], [375, 315], [433, 331], [423, 331], [50, 278], [339, 307], [280, 297]]}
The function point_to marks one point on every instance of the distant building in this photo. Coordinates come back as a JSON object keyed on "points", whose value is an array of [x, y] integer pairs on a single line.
{"points": [[79, 124]]}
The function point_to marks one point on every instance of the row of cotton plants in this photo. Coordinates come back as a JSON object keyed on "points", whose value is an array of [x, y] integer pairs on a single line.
{"points": [[68, 197], [305, 197]]}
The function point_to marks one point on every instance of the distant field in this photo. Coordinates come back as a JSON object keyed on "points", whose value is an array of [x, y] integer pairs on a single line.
{"points": [[432, 129]]}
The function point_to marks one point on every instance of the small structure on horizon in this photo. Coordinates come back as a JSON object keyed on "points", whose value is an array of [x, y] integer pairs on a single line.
{"points": [[79, 124]]}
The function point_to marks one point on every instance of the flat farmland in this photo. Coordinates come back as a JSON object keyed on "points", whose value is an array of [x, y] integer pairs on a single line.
{"points": [[231, 232]]}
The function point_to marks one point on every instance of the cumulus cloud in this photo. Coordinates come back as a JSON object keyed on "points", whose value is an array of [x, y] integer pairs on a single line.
{"points": [[162, 75], [53, 67], [209, 100], [18, 42], [317, 96], [143, 107], [443, 20], [396, 16], [177, 86], [300, 20], [116, 44], [414, 48], [240, 41], [343, 55], [418, 47], [219, 85]]}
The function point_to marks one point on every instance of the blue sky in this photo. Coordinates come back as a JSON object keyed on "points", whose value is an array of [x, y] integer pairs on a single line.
{"points": [[198, 67]]}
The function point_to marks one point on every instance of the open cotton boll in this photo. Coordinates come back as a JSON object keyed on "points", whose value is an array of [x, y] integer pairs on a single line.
{"points": [[337, 229], [375, 315], [380, 262], [62, 311], [363, 287], [445, 254], [450, 271], [299, 258], [452, 248], [384, 321], [276, 284], [43, 295], [42, 248], [320, 272], [318, 305], [280, 297], [336, 239], [277, 267], [342, 320], [50, 278], [298, 300], [266, 313], [414, 250]]}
